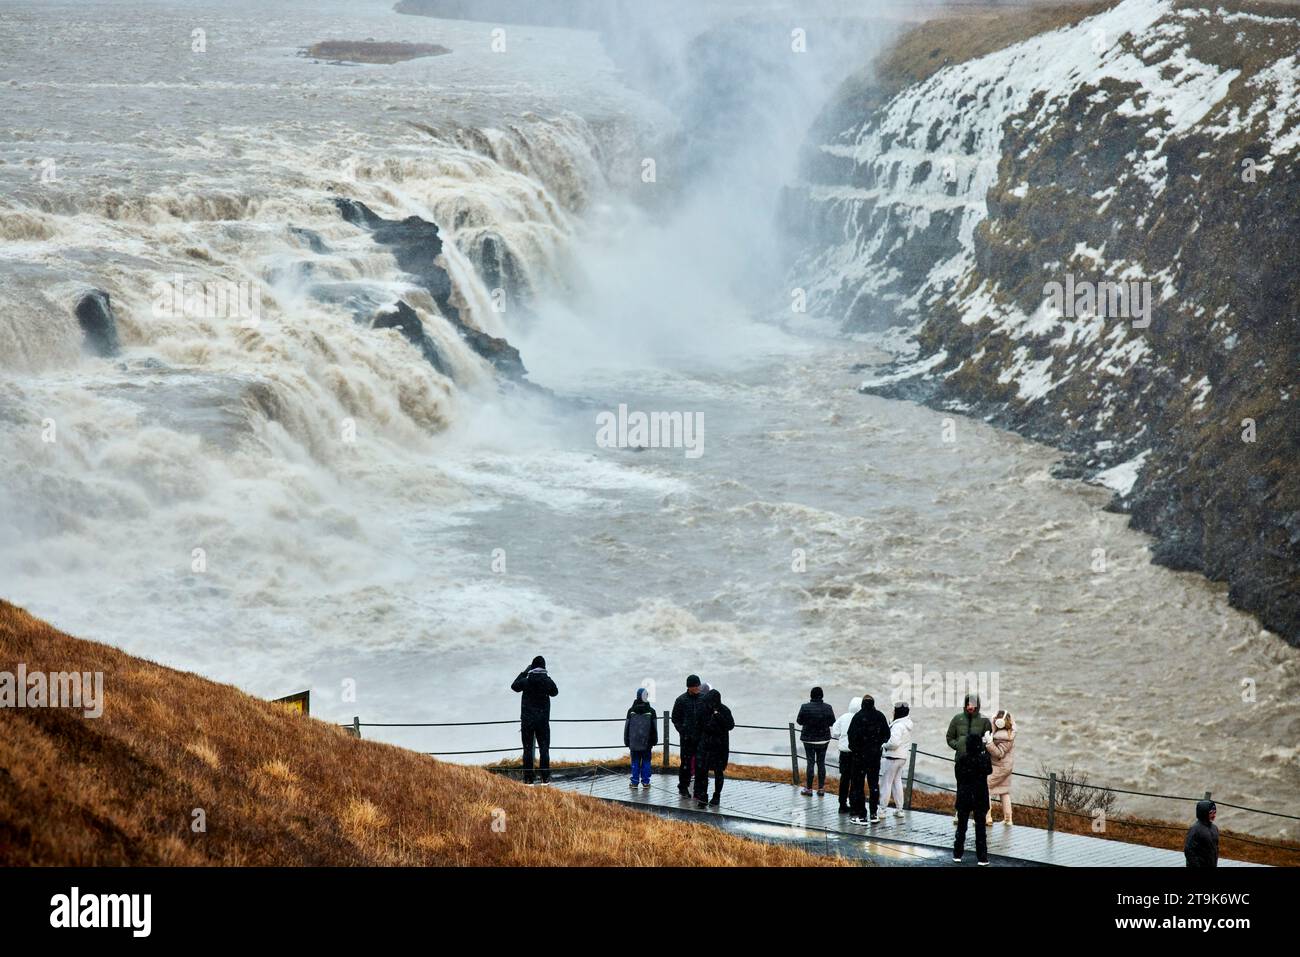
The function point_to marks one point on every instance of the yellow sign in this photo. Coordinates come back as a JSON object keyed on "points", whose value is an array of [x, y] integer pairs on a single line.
{"points": [[300, 702]]}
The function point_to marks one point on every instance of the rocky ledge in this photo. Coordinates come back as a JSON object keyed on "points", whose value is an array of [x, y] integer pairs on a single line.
{"points": [[417, 246]]}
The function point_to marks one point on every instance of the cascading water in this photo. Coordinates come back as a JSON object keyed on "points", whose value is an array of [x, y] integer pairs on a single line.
{"points": [[308, 501], [232, 456]]}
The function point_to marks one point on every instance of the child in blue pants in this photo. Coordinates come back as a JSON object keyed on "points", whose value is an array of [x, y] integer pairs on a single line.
{"points": [[640, 735]]}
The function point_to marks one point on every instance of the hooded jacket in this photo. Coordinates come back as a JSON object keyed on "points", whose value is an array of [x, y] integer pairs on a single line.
{"points": [[1000, 751], [868, 731], [716, 724], [899, 744], [815, 719], [1201, 849], [640, 729], [538, 689], [840, 729], [962, 725], [688, 709]]}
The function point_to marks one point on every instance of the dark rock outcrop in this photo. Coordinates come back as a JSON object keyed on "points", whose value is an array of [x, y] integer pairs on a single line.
{"points": [[403, 318], [416, 244], [98, 324], [312, 238], [498, 267], [503, 356]]}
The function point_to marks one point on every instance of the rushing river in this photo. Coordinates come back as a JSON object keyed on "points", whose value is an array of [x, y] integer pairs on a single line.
{"points": [[821, 537]]}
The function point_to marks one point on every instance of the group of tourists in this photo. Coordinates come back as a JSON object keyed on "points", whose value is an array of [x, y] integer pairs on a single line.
{"points": [[873, 750]]}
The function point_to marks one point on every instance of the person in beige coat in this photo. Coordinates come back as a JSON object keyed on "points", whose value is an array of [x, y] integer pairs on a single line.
{"points": [[1001, 749]]}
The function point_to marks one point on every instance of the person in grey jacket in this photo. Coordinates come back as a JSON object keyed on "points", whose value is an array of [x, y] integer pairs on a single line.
{"points": [[640, 735], [1201, 849], [815, 719]]}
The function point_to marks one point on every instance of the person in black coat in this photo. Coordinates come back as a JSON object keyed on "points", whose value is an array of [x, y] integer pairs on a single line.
{"points": [[868, 732], [815, 720], [1201, 849], [687, 711], [714, 749], [972, 768], [537, 689]]}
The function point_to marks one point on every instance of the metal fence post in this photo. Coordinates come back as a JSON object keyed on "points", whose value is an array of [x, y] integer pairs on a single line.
{"points": [[911, 776], [1207, 795], [667, 727], [356, 726], [1051, 802], [794, 756]]}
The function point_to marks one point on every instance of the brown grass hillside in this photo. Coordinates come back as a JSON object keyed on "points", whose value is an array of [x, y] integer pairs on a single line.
{"points": [[278, 788], [967, 31], [952, 35]]}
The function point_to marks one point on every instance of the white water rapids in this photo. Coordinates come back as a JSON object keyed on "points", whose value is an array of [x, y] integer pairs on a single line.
{"points": [[378, 561]]}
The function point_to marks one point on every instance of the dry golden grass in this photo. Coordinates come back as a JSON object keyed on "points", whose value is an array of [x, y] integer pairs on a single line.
{"points": [[954, 35], [955, 38], [278, 788], [1151, 832]]}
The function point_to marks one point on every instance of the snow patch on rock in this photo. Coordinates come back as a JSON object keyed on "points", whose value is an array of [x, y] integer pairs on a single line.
{"points": [[1124, 476]]}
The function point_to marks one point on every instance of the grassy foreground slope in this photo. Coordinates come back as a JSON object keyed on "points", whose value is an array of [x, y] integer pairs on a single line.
{"points": [[278, 788]]}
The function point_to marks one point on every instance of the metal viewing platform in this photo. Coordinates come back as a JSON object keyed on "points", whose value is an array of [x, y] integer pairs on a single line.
{"points": [[763, 802]]}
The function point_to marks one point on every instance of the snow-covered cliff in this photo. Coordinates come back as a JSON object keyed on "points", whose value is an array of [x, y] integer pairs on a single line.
{"points": [[1091, 237]]}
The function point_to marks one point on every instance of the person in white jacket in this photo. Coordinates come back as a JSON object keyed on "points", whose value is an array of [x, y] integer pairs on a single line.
{"points": [[1001, 751], [896, 752], [840, 735]]}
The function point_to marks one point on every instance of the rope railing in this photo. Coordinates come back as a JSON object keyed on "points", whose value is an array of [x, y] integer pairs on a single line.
{"points": [[466, 724], [1053, 781], [1116, 790], [469, 724]]}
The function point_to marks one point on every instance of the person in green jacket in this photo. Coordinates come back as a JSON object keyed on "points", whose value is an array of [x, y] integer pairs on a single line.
{"points": [[970, 721]]}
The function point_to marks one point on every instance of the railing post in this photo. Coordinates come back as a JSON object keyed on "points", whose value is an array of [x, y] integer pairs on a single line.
{"points": [[794, 756], [911, 776], [1207, 795], [1051, 802], [667, 728]]}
